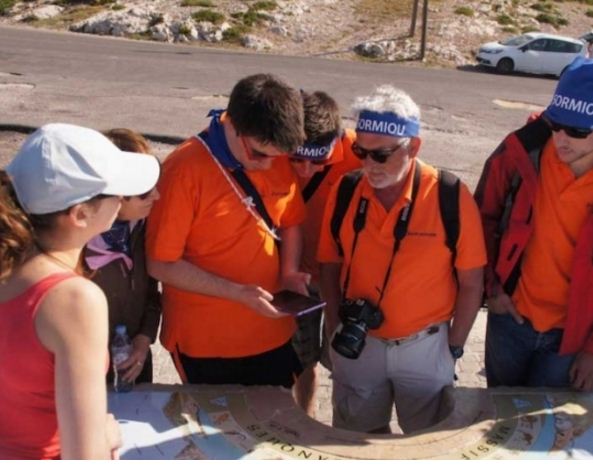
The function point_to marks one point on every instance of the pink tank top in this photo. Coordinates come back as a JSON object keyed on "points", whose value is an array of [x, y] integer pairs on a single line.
{"points": [[28, 419]]}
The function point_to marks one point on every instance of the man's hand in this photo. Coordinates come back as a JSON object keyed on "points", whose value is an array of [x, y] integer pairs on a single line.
{"points": [[581, 372], [503, 304], [297, 282], [114, 441], [135, 363], [258, 299]]}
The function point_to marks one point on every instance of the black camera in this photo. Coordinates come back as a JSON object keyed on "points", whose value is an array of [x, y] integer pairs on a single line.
{"points": [[357, 316]]}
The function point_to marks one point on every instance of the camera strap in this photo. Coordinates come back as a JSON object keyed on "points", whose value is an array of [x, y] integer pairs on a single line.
{"points": [[314, 183], [399, 231]]}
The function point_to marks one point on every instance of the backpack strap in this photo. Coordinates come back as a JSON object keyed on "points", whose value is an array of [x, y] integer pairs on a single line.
{"points": [[346, 189], [314, 183], [533, 137], [449, 206]]}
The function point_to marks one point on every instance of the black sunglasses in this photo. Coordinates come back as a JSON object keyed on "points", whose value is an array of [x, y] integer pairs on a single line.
{"points": [[571, 132], [377, 155]]}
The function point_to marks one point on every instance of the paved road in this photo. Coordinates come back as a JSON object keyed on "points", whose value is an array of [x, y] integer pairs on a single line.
{"points": [[164, 88], [167, 89]]}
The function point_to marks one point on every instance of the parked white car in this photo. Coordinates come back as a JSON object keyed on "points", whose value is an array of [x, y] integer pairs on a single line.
{"points": [[534, 52]]}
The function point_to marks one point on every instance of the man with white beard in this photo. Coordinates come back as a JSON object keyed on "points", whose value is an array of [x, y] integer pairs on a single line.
{"points": [[402, 255]]}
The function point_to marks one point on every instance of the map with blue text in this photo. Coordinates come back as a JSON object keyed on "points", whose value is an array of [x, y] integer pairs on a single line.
{"points": [[233, 422]]}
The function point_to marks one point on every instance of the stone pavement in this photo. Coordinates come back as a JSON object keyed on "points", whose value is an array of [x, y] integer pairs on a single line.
{"points": [[470, 369]]}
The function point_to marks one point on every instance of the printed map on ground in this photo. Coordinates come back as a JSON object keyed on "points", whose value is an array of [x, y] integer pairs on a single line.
{"points": [[231, 422]]}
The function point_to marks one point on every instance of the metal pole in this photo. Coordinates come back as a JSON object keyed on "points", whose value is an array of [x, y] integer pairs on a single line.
{"points": [[414, 16], [424, 27]]}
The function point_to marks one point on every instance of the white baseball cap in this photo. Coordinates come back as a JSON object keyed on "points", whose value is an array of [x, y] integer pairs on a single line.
{"points": [[61, 165]]}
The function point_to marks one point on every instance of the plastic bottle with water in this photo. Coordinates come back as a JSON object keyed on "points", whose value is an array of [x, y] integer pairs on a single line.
{"points": [[121, 348]]}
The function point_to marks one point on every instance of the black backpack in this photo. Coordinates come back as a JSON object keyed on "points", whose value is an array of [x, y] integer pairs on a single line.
{"points": [[448, 204]]}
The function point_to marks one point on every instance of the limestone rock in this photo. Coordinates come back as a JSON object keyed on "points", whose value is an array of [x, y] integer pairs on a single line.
{"points": [[161, 32], [256, 43], [370, 49], [116, 23], [47, 11]]}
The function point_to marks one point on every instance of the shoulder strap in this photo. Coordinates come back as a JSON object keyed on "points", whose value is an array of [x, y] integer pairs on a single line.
{"points": [[314, 183], [449, 207], [345, 192], [533, 137], [247, 186]]}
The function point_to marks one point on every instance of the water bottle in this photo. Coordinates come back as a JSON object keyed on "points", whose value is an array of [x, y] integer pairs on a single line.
{"points": [[121, 348]]}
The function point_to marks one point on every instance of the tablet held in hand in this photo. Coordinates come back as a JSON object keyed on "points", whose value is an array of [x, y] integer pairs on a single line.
{"points": [[296, 304]]}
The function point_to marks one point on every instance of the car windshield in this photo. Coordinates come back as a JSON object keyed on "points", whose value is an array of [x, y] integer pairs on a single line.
{"points": [[517, 41]]}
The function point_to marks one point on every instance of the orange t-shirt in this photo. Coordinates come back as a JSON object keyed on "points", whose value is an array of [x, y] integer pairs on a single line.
{"points": [[421, 289], [561, 206], [200, 218], [342, 161]]}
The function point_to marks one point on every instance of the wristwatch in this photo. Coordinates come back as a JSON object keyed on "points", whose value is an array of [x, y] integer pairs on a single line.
{"points": [[456, 351]]}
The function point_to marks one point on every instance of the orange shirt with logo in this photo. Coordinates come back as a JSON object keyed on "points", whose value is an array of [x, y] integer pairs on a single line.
{"points": [[562, 204], [201, 219], [342, 161], [421, 289]]}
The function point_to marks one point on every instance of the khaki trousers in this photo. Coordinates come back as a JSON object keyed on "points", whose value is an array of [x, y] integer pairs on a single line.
{"points": [[410, 374]]}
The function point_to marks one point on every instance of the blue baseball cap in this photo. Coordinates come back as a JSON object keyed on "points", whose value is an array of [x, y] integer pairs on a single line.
{"points": [[572, 104]]}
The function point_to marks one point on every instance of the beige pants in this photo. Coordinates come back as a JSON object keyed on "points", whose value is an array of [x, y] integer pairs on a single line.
{"points": [[410, 375]]}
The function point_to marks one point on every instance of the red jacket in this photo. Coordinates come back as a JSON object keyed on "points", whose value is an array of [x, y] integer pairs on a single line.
{"points": [[505, 195]]}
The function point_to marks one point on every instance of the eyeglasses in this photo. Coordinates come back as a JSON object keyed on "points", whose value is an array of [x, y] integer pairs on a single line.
{"points": [[571, 132], [313, 162], [251, 152], [377, 155]]}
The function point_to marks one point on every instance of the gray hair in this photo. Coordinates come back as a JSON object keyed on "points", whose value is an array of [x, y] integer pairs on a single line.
{"points": [[387, 98]]}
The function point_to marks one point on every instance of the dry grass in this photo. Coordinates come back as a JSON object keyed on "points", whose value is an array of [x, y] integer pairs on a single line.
{"points": [[384, 10]]}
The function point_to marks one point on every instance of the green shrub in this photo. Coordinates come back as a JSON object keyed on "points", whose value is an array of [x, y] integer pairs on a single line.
{"points": [[6, 5], [464, 10], [30, 19], [504, 19], [526, 29], [204, 3], [234, 34], [589, 13], [543, 7], [208, 15], [510, 29], [551, 19], [250, 18], [184, 29], [546, 18], [264, 5], [118, 7], [84, 2], [156, 19]]}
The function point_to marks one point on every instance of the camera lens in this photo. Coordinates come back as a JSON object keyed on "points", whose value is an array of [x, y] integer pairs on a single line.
{"points": [[349, 342]]}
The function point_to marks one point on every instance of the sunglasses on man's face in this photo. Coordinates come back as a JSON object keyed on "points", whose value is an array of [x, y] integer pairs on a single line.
{"points": [[378, 155], [571, 132]]}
